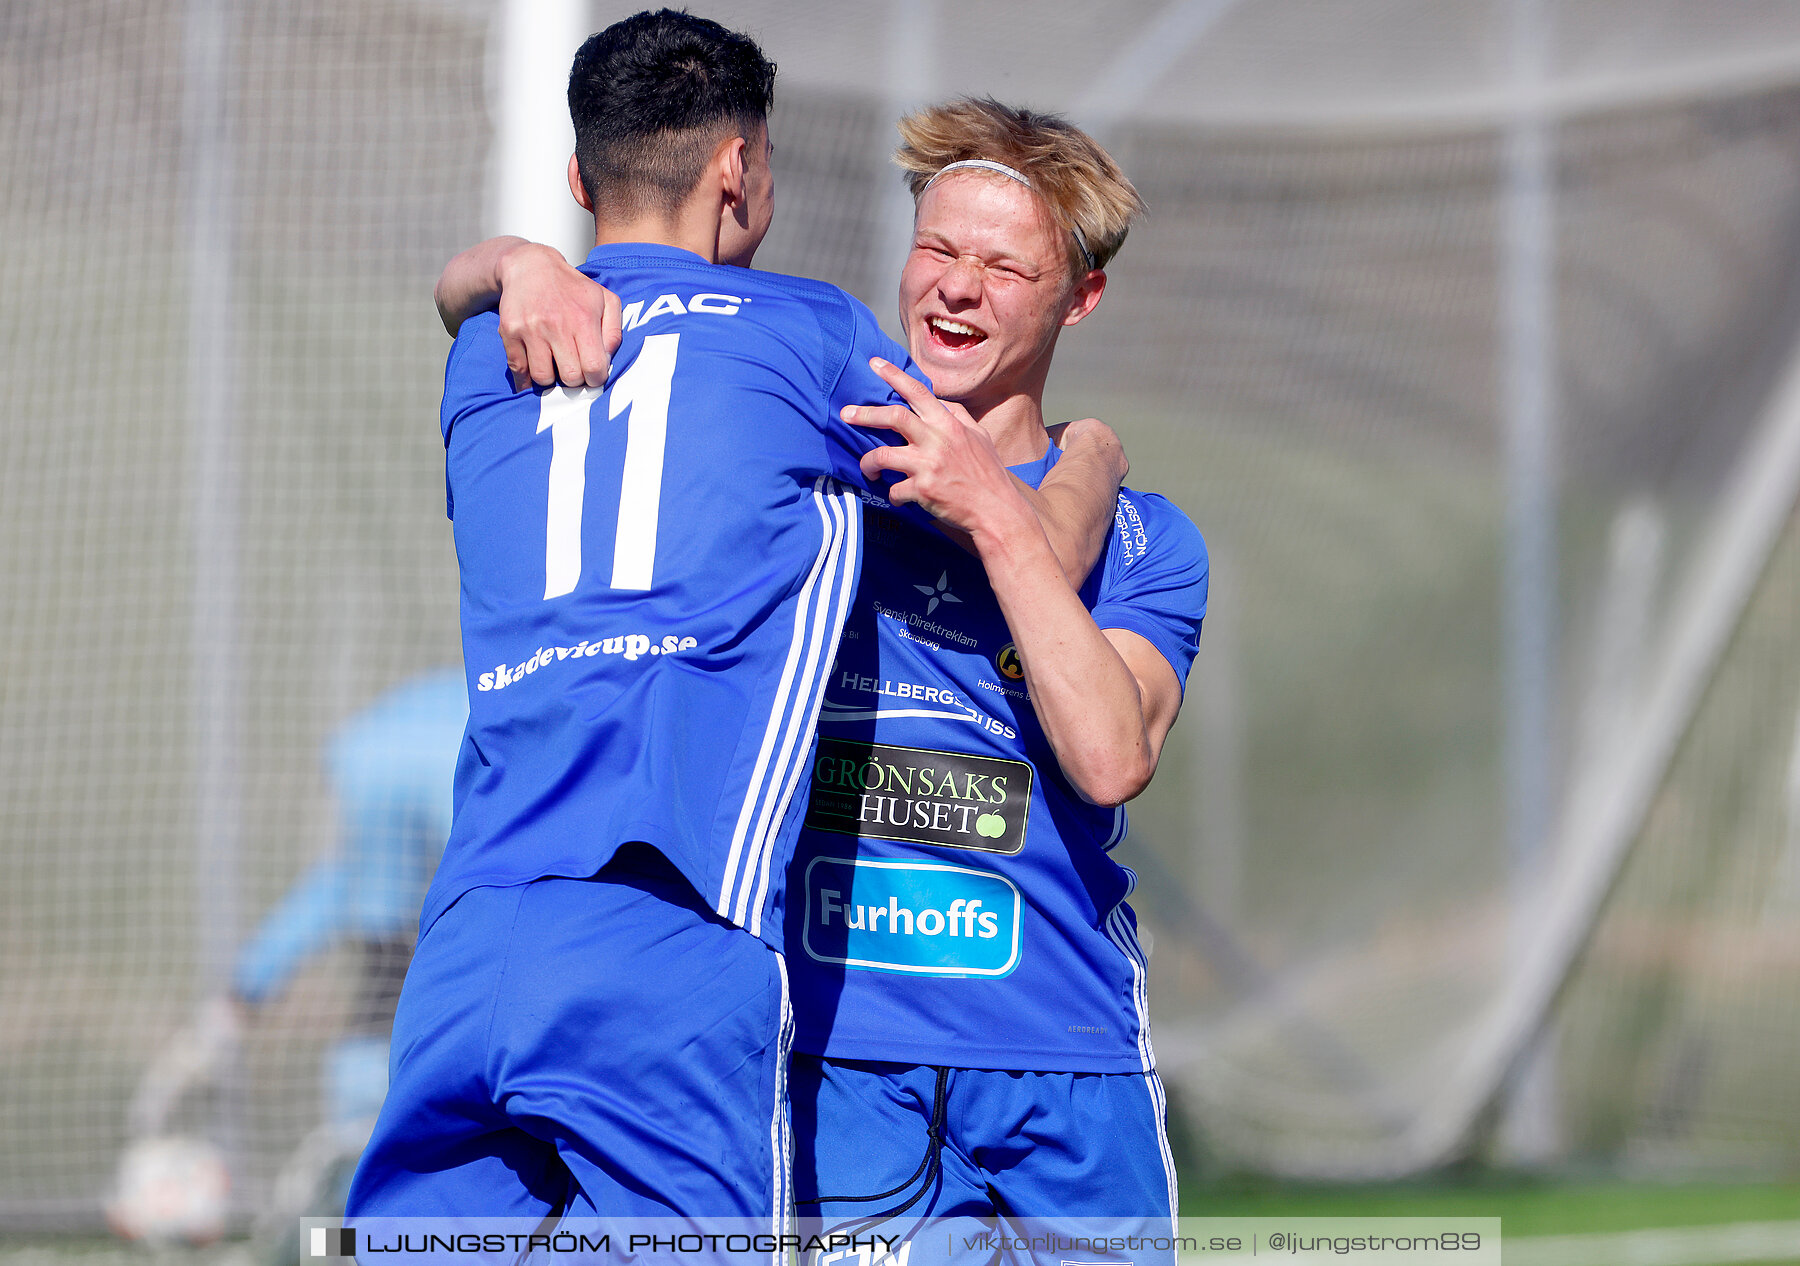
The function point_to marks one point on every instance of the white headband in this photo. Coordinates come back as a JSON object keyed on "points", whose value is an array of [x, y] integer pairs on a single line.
{"points": [[1012, 173]]}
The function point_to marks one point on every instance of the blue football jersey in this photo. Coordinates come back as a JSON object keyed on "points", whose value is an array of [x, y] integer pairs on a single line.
{"points": [[654, 578], [954, 899]]}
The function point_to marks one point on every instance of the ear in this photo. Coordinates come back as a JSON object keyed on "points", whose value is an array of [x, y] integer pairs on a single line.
{"points": [[728, 162], [1085, 297], [577, 188]]}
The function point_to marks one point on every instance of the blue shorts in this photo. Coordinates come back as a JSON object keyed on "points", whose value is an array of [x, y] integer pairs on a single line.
{"points": [[585, 1047], [1032, 1145]]}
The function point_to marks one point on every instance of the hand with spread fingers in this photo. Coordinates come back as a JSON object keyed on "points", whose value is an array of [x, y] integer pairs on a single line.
{"points": [[948, 465]]}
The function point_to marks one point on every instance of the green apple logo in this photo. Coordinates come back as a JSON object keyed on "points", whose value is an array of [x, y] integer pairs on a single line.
{"points": [[990, 826]]}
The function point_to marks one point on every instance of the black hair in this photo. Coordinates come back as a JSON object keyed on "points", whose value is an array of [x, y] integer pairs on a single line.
{"points": [[651, 96]]}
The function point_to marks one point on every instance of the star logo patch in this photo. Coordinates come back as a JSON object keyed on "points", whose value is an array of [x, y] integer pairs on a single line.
{"points": [[939, 592]]}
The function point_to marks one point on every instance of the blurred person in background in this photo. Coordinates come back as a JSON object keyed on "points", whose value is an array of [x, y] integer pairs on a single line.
{"points": [[972, 1021], [391, 771]]}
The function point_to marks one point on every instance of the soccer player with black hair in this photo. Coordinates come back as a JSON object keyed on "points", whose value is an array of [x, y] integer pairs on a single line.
{"points": [[654, 579]]}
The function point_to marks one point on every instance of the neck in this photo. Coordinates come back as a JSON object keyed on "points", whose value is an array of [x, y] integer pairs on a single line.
{"points": [[1015, 420], [1016, 425], [692, 228]]}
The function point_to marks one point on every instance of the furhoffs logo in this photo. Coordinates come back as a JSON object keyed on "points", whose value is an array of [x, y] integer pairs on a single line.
{"points": [[920, 918]]}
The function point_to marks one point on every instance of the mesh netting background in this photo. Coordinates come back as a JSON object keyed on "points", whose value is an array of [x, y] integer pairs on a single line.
{"points": [[1302, 344]]}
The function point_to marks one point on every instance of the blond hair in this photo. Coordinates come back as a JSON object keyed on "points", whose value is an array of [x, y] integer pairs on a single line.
{"points": [[1077, 179]]}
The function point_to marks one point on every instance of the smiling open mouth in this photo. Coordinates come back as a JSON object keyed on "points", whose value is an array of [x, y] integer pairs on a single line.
{"points": [[953, 334]]}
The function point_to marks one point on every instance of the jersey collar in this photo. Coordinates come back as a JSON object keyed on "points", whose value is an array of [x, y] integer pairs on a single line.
{"points": [[612, 252], [1033, 472]]}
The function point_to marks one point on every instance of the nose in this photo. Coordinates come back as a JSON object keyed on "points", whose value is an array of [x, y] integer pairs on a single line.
{"points": [[960, 283]]}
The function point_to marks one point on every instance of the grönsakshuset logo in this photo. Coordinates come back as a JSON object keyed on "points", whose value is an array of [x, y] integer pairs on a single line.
{"points": [[919, 796]]}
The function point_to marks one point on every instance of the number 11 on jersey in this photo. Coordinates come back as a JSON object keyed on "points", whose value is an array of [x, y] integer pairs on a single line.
{"points": [[563, 411]]}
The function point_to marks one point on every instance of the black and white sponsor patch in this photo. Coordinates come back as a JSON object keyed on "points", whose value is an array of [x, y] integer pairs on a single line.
{"points": [[920, 796]]}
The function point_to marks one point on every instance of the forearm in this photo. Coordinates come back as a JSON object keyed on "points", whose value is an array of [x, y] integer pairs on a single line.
{"points": [[1078, 498], [1085, 695], [305, 922], [470, 283]]}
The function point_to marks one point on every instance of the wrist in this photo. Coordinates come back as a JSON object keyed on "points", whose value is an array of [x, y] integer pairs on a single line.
{"points": [[513, 255], [1008, 532], [1092, 438]]}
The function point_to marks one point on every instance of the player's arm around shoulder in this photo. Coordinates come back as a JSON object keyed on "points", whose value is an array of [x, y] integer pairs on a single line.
{"points": [[1077, 498], [556, 323]]}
